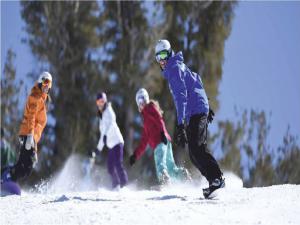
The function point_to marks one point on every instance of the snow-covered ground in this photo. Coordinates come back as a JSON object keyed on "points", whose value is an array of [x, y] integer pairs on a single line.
{"points": [[177, 204]]}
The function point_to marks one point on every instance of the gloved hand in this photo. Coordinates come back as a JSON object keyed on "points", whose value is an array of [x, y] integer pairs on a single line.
{"points": [[34, 159], [132, 159], [163, 138], [104, 140], [92, 153], [180, 136], [21, 140], [97, 152], [210, 116], [29, 142]]}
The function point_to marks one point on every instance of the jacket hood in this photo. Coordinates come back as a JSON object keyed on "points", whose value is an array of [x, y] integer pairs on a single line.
{"points": [[177, 57], [148, 108]]}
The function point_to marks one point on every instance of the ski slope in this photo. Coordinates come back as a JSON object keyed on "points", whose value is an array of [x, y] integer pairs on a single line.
{"points": [[176, 204]]}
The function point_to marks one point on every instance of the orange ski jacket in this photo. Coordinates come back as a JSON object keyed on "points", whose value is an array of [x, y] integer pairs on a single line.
{"points": [[35, 114]]}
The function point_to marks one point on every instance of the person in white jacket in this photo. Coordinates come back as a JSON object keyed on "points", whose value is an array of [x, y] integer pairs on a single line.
{"points": [[113, 139]]}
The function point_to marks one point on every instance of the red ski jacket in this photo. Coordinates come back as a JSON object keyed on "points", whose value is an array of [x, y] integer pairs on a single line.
{"points": [[153, 126]]}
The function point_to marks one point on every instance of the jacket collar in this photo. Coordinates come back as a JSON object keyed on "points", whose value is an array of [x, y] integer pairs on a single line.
{"points": [[178, 57], [36, 91]]}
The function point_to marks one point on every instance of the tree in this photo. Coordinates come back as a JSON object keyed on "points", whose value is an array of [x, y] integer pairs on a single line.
{"points": [[246, 152], [200, 30], [63, 36], [10, 95], [288, 162], [124, 32], [109, 46]]}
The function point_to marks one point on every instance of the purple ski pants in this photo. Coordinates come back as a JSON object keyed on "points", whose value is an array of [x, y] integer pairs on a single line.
{"points": [[115, 166]]}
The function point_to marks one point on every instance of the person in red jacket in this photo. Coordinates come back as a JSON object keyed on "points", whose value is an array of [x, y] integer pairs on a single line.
{"points": [[156, 135]]}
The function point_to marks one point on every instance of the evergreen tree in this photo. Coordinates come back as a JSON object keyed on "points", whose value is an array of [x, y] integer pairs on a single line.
{"points": [[245, 151], [288, 162], [10, 95], [124, 30], [200, 30], [63, 36]]}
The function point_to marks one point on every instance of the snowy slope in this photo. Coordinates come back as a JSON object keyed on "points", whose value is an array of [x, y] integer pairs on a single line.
{"points": [[177, 204], [269, 205]]}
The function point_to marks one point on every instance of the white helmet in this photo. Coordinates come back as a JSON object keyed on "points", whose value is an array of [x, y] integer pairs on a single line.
{"points": [[45, 76], [142, 96], [162, 45]]}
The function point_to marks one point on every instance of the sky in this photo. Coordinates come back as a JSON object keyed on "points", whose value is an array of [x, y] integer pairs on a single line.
{"points": [[261, 69], [262, 65]]}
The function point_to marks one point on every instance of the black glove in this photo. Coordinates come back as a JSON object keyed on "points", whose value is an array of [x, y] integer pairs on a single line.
{"points": [[132, 159], [104, 140], [210, 116], [163, 138], [180, 136]]}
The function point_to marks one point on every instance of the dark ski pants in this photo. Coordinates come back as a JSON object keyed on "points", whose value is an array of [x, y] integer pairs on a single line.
{"points": [[115, 166], [23, 167], [198, 151]]}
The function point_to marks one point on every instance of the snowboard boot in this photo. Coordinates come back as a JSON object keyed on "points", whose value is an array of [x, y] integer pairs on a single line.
{"points": [[213, 185]]}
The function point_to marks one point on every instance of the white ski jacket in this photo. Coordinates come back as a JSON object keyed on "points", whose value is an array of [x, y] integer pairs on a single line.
{"points": [[108, 126]]}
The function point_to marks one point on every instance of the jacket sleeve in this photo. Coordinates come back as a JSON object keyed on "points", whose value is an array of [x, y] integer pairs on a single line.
{"points": [[110, 117], [100, 143], [30, 113], [139, 151], [38, 132], [178, 87]]}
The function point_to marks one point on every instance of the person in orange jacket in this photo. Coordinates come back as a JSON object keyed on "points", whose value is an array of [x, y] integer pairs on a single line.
{"points": [[32, 126]]}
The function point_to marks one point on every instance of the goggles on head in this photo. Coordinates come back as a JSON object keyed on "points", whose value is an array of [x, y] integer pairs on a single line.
{"points": [[162, 55], [141, 101]]}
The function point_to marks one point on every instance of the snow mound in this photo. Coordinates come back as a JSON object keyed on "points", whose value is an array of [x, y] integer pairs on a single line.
{"points": [[232, 181], [77, 174]]}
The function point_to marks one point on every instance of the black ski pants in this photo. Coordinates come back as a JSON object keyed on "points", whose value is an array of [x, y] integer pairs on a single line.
{"points": [[24, 166], [198, 151]]}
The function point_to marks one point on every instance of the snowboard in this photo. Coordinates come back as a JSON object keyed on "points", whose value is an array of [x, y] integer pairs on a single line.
{"points": [[10, 188]]}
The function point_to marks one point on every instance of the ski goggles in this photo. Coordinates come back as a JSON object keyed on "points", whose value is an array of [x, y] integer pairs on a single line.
{"points": [[162, 55], [140, 101], [46, 82]]}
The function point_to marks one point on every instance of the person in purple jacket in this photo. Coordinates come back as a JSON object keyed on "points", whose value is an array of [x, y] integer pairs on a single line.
{"points": [[193, 110]]}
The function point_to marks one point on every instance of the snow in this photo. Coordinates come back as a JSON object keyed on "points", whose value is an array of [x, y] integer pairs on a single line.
{"points": [[173, 204]]}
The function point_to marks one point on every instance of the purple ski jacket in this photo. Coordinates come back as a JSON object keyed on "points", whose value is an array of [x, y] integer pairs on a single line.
{"points": [[186, 88]]}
